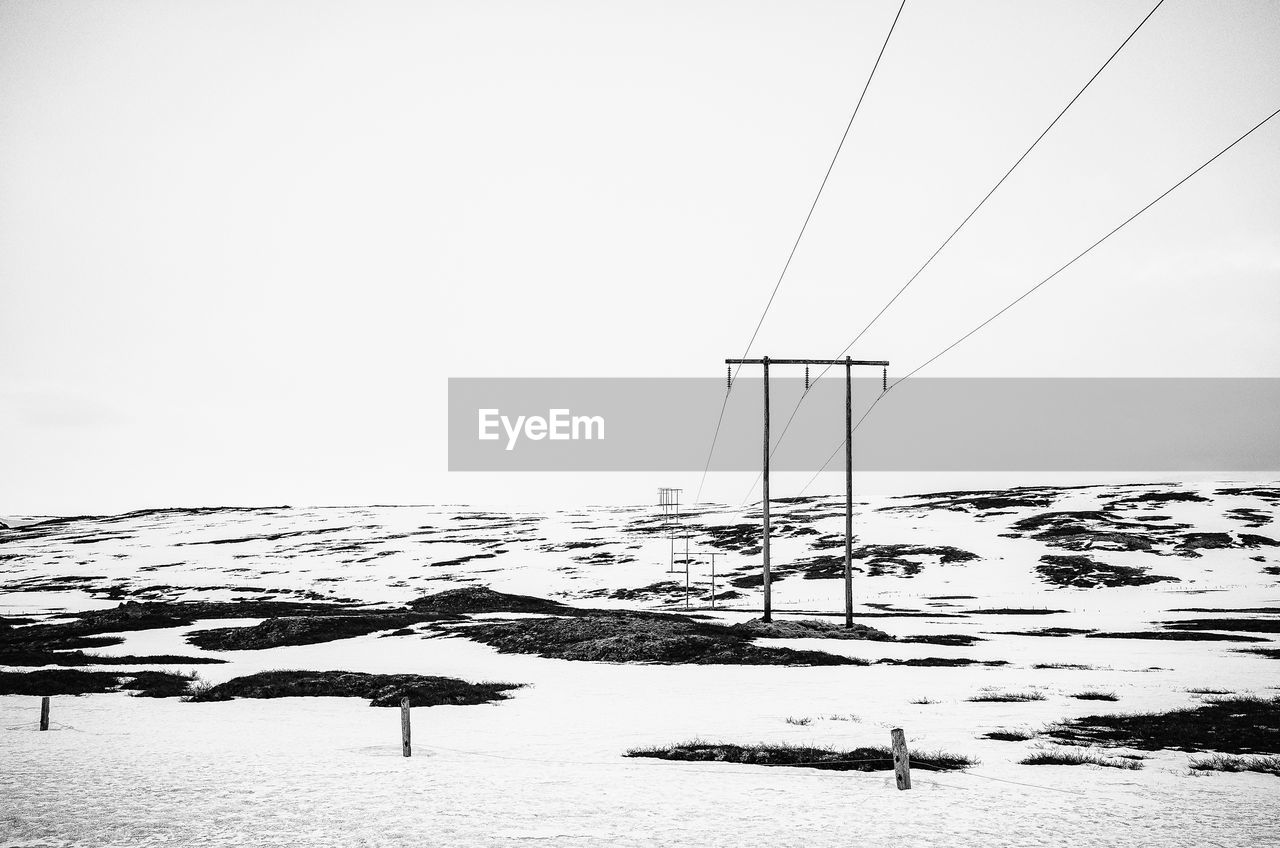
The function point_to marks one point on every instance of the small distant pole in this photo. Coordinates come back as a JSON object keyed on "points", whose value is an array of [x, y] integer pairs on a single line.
{"points": [[405, 747], [44, 713], [901, 761]]}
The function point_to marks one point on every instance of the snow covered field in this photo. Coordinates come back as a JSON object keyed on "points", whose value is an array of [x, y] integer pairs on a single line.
{"points": [[547, 766]]}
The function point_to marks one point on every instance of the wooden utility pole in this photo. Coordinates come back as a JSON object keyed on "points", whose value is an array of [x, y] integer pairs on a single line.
{"points": [[848, 364], [768, 593], [406, 747]]}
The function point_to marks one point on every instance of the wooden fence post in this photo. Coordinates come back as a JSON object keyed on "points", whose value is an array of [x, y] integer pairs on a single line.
{"points": [[44, 713], [901, 760], [404, 728]]}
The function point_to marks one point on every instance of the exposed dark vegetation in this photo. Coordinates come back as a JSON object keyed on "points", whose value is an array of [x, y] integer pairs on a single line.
{"points": [[1250, 517], [309, 630], [1235, 725], [1078, 758], [34, 657], [1269, 653], [1003, 735], [940, 662], [1071, 666], [382, 690], [904, 560], [1229, 762], [150, 684], [1012, 611], [1162, 497], [809, 629], [1007, 697], [1245, 625], [639, 638], [1084, 572], [1178, 636], [481, 599], [1095, 695], [856, 759], [1047, 631], [662, 590], [954, 640], [981, 501], [132, 616]]}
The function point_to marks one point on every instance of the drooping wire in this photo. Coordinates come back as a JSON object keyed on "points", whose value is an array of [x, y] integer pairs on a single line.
{"points": [[963, 222], [1034, 288], [786, 265]]}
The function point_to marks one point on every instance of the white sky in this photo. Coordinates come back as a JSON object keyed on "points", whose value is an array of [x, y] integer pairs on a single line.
{"points": [[244, 244]]}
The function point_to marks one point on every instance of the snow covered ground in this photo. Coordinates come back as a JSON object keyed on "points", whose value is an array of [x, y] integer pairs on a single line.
{"points": [[546, 765]]}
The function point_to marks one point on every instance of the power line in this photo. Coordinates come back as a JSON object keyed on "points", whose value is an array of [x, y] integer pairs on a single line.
{"points": [[1034, 288], [796, 245], [966, 220]]}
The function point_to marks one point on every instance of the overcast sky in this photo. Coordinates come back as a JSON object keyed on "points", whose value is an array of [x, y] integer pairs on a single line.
{"points": [[243, 245]]}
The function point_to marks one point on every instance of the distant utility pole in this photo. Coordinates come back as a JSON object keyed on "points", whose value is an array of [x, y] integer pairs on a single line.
{"points": [[848, 364]]}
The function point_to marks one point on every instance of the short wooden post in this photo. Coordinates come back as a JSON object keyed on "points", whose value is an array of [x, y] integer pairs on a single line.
{"points": [[44, 713], [901, 761], [404, 728]]}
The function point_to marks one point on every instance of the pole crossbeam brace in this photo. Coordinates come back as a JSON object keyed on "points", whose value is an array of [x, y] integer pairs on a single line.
{"points": [[882, 363], [848, 364]]}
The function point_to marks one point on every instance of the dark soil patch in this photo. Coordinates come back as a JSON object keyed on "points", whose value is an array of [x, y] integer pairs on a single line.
{"points": [[856, 759], [382, 690], [1083, 572], [1250, 517], [1228, 725], [633, 637]]}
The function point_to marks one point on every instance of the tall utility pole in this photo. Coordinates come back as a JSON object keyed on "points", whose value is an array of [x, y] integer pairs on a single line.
{"points": [[848, 364]]}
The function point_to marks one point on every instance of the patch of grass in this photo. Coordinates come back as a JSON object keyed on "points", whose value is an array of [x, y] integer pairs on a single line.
{"points": [[1071, 666], [1095, 695], [1206, 691], [856, 759], [993, 697], [1067, 757], [635, 637], [382, 690], [924, 701], [802, 722], [1232, 725], [1228, 762], [1003, 735]]}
